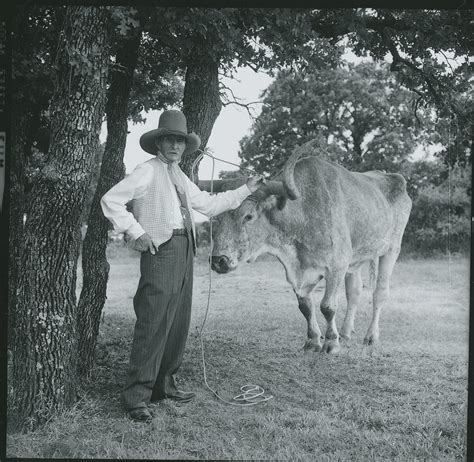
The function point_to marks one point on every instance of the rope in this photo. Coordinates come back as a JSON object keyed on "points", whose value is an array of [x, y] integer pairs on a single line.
{"points": [[449, 201], [250, 394], [208, 152]]}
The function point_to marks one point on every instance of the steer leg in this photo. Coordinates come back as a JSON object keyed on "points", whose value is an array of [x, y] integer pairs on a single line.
{"points": [[386, 264], [307, 307], [353, 291], [329, 308]]}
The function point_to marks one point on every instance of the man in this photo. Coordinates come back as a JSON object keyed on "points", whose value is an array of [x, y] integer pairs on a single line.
{"points": [[162, 228]]}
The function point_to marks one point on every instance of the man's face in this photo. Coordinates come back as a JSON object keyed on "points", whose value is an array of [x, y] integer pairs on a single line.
{"points": [[171, 146]]}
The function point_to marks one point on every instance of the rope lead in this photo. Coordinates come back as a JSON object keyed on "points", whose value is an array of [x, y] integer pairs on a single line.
{"points": [[250, 394]]}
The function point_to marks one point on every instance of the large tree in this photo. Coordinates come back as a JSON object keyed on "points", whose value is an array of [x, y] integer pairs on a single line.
{"points": [[139, 78], [45, 347], [359, 116], [34, 37], [94, 263]]}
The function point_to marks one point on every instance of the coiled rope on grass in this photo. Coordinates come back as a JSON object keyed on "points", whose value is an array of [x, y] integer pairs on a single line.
{"points": [[250, 394]]}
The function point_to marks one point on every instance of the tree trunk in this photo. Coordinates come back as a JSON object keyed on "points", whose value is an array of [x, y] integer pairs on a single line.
{"points": [[201, 102], [94, 262], [20, 128], [25, 125], [45, 348]]}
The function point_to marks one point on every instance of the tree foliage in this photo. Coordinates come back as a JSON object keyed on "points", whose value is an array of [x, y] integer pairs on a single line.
{"points": [[414, 40], [208, 42], [358, 116], [261, 38]]}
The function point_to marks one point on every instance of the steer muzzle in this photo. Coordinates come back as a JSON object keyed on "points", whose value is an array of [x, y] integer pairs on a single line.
{"points": [[220, 264]]}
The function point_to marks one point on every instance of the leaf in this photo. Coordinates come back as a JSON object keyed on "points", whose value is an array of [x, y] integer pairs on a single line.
{"points": [[123, 28]]}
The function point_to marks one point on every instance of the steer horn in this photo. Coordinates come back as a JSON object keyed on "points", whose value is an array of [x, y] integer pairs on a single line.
{"points": [[221, 185], [270, 187], [289, 174], [285, 188]]}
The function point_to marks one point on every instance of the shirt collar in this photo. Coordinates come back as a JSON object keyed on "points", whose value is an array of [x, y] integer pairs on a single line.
{"points": [[164, 159]]}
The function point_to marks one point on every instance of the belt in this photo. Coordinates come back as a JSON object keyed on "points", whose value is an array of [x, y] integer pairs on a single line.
{"points": [[179, 231]]}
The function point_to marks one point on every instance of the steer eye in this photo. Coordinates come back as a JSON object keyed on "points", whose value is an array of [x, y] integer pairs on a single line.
{"points": [[248, 217]]}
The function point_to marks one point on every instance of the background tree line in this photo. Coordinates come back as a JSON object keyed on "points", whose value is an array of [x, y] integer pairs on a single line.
{"points": [[74, 67]]}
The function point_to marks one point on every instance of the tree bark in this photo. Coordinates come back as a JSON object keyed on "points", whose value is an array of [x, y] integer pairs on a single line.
{"points": [[45, 346], [25, 126], [30, 100], [94, 261], [201, 102], [20, 128]]}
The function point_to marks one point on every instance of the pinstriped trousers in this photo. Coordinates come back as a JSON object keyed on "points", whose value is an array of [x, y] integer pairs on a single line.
{"points": [[162, 305]]}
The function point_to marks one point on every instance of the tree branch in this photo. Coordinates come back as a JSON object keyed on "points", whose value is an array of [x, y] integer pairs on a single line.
{"points": [[225, 87], [253, 67], [447, 61], [416, 109], [388, 41], [381, 25], [244, 105]]}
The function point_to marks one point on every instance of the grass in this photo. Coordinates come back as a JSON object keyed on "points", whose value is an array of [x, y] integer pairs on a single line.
{"points": [[404, 399]]}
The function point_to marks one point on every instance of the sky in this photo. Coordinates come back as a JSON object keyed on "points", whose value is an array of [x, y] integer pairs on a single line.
{"points": [[232, 124]]}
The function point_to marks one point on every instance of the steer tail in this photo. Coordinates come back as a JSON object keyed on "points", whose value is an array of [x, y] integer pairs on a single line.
{"points": [[373, 269]]}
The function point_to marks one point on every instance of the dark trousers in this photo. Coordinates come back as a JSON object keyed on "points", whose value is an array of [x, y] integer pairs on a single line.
{"points": [[163, 308]]}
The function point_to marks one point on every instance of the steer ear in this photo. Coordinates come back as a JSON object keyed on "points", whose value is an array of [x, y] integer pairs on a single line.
{"points": [[273, 194], [270, 202], [273, 201]]}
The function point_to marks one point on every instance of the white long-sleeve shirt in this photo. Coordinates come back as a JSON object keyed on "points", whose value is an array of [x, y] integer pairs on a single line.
{"points": [[135, 186]]}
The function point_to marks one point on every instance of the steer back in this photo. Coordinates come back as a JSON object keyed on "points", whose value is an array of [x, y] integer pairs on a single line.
{"points": [[322, 212]]}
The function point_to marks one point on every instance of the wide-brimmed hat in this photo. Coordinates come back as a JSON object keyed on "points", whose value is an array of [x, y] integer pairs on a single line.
{"points": [[172, 122]]}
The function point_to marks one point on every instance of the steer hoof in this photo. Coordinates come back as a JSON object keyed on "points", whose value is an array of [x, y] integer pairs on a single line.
{"points": [[371, 339], [312, 345], [331, 346], [345, 336], [346, 333]]}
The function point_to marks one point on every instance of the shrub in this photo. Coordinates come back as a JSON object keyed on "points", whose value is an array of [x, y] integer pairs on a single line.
{"points": [[440, 218]]}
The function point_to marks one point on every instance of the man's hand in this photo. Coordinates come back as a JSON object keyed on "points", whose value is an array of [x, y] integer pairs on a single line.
{"points": [[144, 243], [255, 182]]}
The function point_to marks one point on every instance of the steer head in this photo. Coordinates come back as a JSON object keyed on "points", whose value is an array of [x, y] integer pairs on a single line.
{"points": [[246, 232], [241, 234]]}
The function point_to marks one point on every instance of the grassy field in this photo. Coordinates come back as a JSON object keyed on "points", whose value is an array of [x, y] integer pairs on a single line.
{"points": [[405, 399]]}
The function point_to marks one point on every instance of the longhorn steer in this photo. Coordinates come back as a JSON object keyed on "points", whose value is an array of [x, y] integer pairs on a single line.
{"points": [[321, 221]]}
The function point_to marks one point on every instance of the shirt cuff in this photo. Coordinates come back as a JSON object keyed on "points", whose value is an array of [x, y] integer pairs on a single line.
{"points": [[243, 191], [135, 231]]}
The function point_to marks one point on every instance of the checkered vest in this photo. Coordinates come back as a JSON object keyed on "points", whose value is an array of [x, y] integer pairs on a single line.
{"points": [[154, 211]]}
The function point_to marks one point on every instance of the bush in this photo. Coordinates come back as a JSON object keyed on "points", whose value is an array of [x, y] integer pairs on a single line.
{"points": [[440, 218]]}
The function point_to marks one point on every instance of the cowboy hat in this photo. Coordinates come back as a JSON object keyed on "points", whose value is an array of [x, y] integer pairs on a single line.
{"points": [[172, 122]]}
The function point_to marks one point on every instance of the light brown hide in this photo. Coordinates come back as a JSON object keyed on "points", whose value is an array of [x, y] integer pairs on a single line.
{"points": [[330, 222]]}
